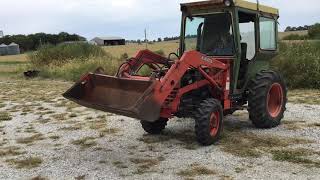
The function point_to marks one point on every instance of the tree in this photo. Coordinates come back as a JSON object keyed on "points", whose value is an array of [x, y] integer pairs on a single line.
{"points": [[289, 28], [159, 39], [33, 41], [314, 31]]}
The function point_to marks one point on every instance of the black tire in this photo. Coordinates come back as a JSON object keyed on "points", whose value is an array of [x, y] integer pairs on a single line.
{"points": [[203, 118], [154, 127], [267, 99]]}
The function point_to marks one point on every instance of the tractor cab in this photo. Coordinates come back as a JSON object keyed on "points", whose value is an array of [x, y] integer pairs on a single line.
{"points": [[238, 30]]}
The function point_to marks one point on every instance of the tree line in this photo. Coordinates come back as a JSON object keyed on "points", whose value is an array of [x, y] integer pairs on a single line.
{"points": [[139, 41], [313, 33], [32, 41], [299, 28]]}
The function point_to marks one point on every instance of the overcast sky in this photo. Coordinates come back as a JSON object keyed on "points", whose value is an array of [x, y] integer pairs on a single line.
{"points": [[126, 18]]}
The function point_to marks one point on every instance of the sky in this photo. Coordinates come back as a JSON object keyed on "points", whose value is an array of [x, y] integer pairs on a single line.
{"points": [[125, 18]]}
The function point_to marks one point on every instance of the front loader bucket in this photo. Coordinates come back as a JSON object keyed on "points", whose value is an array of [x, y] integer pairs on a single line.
{"points": [[132, 98]]}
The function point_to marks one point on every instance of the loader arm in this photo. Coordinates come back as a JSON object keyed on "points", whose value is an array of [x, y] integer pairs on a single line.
{"points": [[191, 59], [147, 98], [129, 68]]}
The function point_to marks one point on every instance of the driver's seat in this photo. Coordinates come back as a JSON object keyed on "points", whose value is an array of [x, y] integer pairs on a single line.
{"points": [[243, 64]]}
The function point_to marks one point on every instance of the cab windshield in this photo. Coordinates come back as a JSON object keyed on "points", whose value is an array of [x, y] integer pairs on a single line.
{"points": [[210, 34]]}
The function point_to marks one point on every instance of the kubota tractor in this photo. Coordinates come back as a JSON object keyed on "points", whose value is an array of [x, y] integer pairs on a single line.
{"points": [[222, 65]]}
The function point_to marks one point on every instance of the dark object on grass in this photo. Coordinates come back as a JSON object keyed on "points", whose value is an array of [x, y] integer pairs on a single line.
{"points": [[31, 74]]}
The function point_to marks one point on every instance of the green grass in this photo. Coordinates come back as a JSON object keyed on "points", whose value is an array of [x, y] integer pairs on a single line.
{"points": [[70, 62], [27, 163], [14, 58], [12, 63], [85, 142], [72, 71], [295, 37], [305, 96], [131, 49], [119, 164], [13, 66], [59, 117], [144, 165], [9, 69], [64, 53], [2, 105], [196, 170], [4, 116], [316, 124], [247, 144], [74, 127], [299, 62], [11, 151], [297, 156], [54, 137], [30, 139], [38, 178]]}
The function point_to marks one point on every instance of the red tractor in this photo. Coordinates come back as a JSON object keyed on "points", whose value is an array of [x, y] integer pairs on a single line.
{"points": [[222, 65]]}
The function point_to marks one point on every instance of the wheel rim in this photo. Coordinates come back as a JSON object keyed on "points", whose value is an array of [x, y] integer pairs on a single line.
{"points": [[214, 123], [275, 100]]}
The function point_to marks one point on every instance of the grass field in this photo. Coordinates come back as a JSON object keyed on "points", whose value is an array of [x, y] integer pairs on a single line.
{"points": [[16, 64], [284, 34], [14, 58], [12, 65], [132, 48], [293, 55]]}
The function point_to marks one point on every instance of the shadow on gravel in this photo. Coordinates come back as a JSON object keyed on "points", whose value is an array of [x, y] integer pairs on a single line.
{"points": [[235, 124], [185, 136], [182, 137]]}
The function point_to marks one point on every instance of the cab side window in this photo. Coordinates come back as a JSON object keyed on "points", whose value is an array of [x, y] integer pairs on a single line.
{"points": [[267, 34], [247, 35]]}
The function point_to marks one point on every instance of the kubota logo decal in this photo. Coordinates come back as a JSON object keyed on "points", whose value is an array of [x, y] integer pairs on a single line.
{"points": [[205, 58]]}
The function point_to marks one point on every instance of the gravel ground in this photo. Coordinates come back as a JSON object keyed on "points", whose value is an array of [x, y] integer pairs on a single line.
{"points": [[51, 138]]}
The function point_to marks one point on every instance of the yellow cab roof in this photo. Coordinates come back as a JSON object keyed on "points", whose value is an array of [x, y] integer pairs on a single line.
{"points": [[237, 3]]}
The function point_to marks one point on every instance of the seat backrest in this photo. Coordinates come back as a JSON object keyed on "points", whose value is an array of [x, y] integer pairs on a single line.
{"points": [[244, 49]]}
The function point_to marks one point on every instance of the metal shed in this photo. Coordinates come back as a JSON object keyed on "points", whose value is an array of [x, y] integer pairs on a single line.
{"points": [[3, 49], [109, 41], [13, 49]]}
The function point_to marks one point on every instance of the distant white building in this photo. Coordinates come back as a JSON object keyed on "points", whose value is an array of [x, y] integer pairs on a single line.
{"points": [[108, 41], [1, 34]]}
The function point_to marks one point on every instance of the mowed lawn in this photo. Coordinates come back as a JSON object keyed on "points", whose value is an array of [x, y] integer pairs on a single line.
{"points": [[13, 64], [14, 58], [132, 48]]}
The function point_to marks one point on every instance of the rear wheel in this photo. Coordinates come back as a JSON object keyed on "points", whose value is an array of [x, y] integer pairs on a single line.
{"points": [[267, 99], [208, 121], [154, 127]]}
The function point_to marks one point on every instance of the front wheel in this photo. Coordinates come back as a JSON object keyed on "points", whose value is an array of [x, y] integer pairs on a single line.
{"points": [[209, 121], [154, 127], [267, 99]]}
